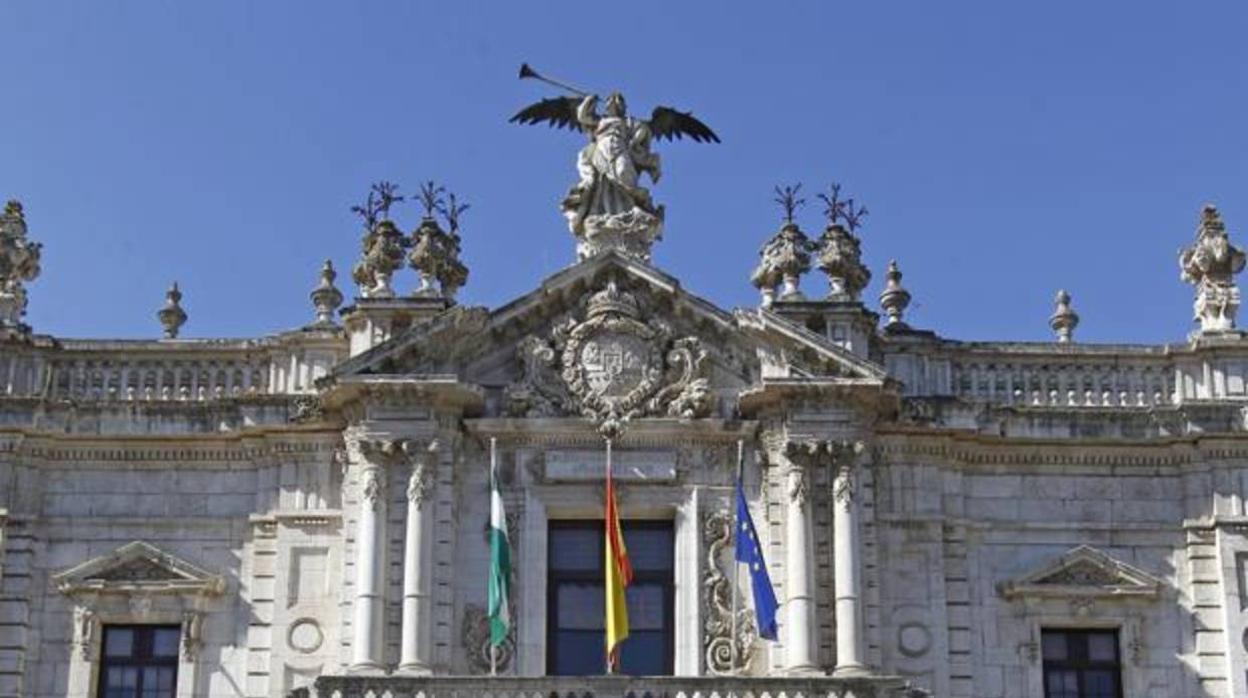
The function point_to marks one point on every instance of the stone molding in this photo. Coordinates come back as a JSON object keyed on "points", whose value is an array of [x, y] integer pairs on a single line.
{"points": [[138, 568], [1084, 573]]}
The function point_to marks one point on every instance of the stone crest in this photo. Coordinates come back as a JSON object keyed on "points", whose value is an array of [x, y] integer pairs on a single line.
{"points": [[611, 367]]}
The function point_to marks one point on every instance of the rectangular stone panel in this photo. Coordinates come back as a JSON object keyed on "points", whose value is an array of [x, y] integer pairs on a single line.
{"points": [[657, 466]]}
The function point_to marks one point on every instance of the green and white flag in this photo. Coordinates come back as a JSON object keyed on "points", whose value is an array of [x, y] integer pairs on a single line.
{"points": [[500, 560]]}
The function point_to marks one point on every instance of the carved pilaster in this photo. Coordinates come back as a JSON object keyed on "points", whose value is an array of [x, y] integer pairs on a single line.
{"points": [[86, 630]]}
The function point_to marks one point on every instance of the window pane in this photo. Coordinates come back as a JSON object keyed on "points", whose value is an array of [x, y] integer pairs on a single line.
{"points": [[581, 606], [1062, 684], [1102, 647], [644, 654], [1054, 646], [165, 642], [118, 642], [1100, 684], [649, 548], [576, 549], [579, 653], [647, 606]]}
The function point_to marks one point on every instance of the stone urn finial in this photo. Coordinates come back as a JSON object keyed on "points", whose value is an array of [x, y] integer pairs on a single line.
{"points": [[1064, 319], [172, 316], [435, 250], [1210, 264], [895, 298], [19, 263], [326, 297], [783, 260], [840, 258]]}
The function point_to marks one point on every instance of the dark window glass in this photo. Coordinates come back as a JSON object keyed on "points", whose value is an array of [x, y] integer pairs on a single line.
{"points": [[1081, 664], [576, 600], [139, 661]]}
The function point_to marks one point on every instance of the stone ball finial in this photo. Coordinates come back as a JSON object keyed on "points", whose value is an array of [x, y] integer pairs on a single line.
{"points": [[172, 316], [895, 298], [326, 297], [1064, 319]]}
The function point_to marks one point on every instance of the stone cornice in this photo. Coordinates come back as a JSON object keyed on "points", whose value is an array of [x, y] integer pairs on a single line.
{"points": [[575, 432], [164, 450], [966, 448]]}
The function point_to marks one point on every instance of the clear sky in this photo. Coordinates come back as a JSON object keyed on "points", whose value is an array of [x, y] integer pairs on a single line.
{"points": [[1004, 149]]}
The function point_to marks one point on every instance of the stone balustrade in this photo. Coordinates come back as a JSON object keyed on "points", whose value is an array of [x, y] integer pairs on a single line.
{"points": [[366, 686], [1085, 376], [191, 371]]}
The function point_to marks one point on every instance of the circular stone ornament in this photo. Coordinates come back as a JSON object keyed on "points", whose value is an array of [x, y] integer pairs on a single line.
{"points": [[913, 639], [305, 636]]}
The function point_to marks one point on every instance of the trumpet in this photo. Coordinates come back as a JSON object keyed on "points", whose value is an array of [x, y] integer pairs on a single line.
{"points": [[527, 72]]}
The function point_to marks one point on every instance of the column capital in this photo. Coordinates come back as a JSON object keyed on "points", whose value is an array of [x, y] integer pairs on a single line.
{"points": [[420, 483]]}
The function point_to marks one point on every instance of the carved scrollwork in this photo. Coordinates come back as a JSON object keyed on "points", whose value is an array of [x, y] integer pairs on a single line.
{"points": [[539, 392], [476, 639], [724, 654]]}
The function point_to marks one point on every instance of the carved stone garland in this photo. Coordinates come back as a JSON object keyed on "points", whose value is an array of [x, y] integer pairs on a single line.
{"points": [[722, 657], [476, 638], [613, 368]]}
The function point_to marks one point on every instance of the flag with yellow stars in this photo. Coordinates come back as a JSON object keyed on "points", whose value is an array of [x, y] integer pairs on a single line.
{"points": [[751, 553]]}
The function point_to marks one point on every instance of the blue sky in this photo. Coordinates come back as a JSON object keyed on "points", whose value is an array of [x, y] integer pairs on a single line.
{"points": [[1004, 150]]}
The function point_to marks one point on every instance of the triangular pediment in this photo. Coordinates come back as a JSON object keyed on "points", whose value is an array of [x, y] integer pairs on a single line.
{"points": [[1084, 572], [454, 338], [138, 567], [611, 339]]}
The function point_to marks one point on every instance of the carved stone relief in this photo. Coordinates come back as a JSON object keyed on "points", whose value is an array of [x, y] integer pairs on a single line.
{"points": [[611, 367], [476, 639], [725, 654]]}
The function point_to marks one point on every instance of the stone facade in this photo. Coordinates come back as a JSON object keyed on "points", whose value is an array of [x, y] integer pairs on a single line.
{"points": [[309, 507]]}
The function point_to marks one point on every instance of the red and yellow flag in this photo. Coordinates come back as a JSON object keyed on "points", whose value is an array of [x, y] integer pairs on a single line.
{"points": [[619, 574]]}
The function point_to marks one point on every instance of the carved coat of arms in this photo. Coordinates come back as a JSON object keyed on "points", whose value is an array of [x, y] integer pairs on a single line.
{"points": [[611, 367]]}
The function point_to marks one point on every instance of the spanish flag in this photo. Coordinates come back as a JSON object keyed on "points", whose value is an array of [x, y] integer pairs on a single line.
{"points": [[619, 574]]}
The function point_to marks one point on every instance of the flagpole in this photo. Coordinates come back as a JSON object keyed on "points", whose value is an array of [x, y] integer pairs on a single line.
{"points": [[610, 653], [736, 566], [493, 471]]}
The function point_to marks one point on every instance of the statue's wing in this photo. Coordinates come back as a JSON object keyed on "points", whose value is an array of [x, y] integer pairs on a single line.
{"points": [[557, 111], [671, 124]]}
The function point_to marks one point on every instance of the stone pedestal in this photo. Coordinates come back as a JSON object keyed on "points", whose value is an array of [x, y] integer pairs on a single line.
{"points": [[371, 321]]}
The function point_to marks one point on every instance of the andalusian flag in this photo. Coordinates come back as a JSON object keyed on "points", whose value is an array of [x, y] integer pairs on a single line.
{"points": [[500, 560], [619, 574]]}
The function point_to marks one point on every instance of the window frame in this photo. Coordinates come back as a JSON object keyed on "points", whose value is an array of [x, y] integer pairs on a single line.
{"points": [[141, 657], [1082, 665], [665, 579]]}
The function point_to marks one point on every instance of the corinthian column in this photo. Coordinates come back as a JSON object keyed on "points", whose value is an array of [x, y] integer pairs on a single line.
{"points": [[414, 656], [800, 606], [370, 536], [845, 564]]}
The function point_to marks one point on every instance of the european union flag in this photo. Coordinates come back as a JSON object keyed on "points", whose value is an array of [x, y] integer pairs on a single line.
{"points": [[749, 552]]}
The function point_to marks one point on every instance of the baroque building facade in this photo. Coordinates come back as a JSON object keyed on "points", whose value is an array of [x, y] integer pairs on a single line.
{"points": [[306, 512]]}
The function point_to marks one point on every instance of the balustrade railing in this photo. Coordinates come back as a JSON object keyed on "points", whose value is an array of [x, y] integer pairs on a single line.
{"points": [[393, 686], [151, 373], [1065, 384]]}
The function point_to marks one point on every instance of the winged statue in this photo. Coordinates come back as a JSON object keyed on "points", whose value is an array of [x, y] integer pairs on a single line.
{"points": [[608, 207]]}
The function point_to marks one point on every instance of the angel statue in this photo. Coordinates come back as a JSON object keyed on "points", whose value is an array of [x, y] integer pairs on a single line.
{"points": [[608, 208]]}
